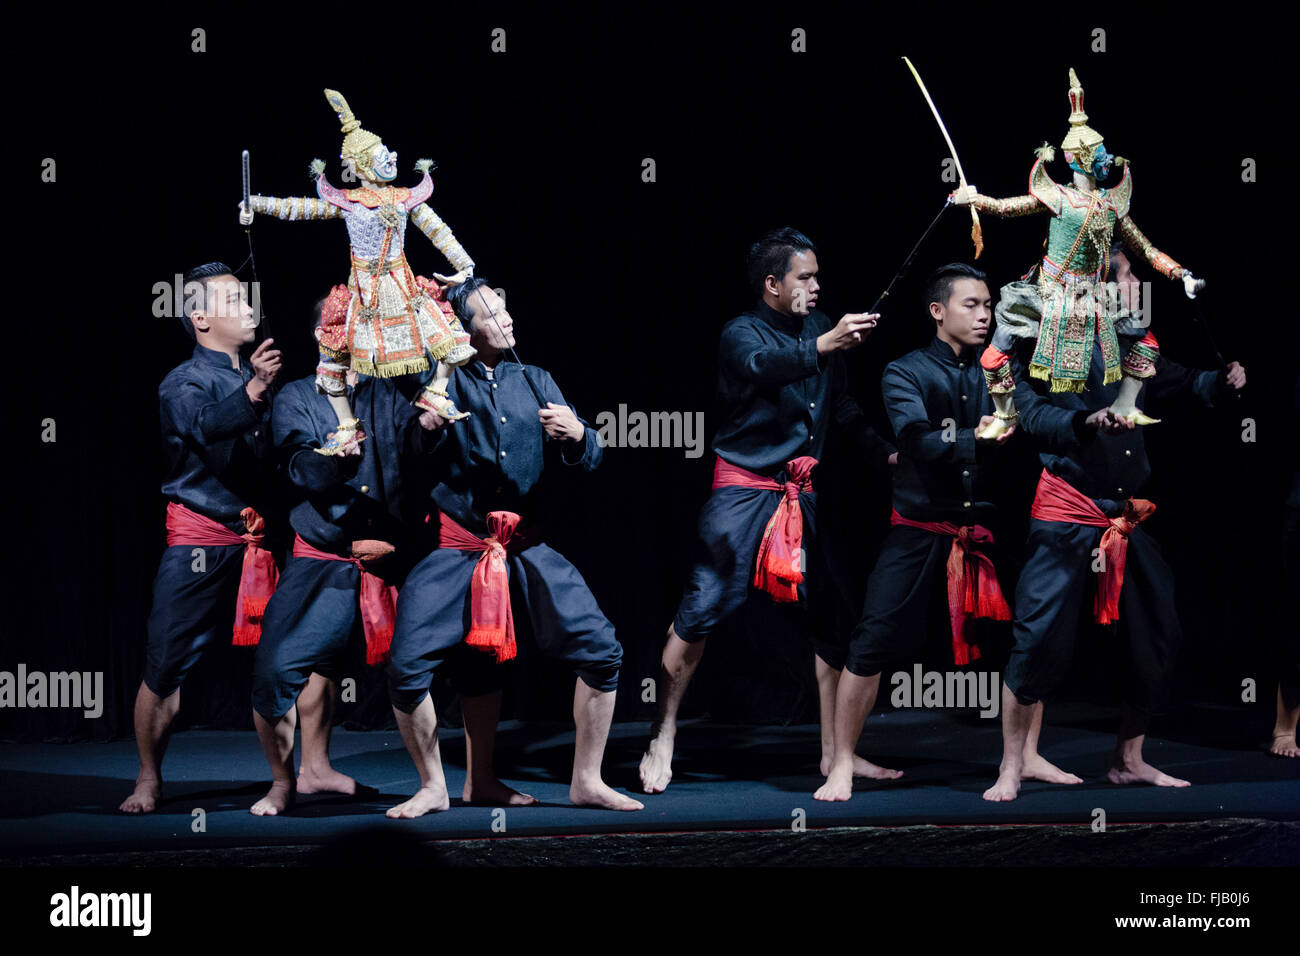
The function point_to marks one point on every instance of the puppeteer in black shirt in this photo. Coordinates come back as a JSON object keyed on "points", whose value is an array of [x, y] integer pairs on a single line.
{"points": [[777, 396]]}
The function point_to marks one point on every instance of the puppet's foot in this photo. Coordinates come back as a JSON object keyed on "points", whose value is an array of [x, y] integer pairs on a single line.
{"points": [[996, 428], [1133, 414], [1125, 404], [436, 400], [349, 433]]}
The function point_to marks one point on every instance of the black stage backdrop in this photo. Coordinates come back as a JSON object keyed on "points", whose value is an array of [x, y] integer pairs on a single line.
{"points": [[620, 286]]}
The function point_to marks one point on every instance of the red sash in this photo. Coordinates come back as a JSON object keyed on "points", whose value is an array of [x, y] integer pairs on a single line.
{"points": [[378, 598], [1058, 500], [973, 590], [492, 626], [777, 569], [256, 580]]}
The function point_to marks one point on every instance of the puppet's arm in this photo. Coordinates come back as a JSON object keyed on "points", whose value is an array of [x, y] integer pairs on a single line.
{"points": [[294, 207], [1008, 208], [440, 234], [1133, 238], [1044, 196]]}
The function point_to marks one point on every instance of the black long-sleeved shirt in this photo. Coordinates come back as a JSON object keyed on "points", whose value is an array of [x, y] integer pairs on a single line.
{"points": [[495, 459], [935, 399], [342, 499], [216, 440], [1107, 468], [777, 397]]}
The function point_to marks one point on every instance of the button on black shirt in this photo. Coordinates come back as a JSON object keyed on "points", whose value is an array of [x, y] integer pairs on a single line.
{"points": [[216, 440]]}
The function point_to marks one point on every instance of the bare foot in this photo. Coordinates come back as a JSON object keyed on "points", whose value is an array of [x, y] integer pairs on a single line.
{"points": [[326, 780], [1038, 768], [1007, 788], [656, 765], [598, 794], [863, 768], [426, 800], [838, 786], [277, 800], [1283, 746], [494, 793], [1140, 771], [144, 797]]}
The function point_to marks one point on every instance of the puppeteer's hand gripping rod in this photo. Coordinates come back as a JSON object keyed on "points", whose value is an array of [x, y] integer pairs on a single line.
{"points": [[248, 231]]}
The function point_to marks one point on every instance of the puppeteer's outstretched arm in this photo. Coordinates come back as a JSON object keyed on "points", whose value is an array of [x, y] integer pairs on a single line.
{"points": [[440, 234], [295, 207]]}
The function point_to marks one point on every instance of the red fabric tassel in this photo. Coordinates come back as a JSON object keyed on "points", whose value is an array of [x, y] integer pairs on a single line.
{"points": [[973, 589], [258, 575], [777, 569], [1057, 500], [377, 598], [492, 625]]}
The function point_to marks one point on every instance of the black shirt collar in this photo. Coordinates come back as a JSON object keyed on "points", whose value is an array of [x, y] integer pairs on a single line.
{"points": [[779, 320], [944, 353], [479, 370], [212, 357]]}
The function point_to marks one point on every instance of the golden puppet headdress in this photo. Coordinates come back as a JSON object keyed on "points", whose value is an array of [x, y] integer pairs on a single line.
{"points": [[357, 142], [1082, 139]]}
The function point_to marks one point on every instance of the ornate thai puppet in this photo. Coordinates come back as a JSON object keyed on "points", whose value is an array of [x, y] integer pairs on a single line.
{"points": [[387, 321], [1073, 305]]}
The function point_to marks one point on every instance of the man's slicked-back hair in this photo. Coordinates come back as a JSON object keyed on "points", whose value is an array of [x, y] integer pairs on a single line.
{"points": [[770, 256], [460, 296], [209, 270], [938, 288]]}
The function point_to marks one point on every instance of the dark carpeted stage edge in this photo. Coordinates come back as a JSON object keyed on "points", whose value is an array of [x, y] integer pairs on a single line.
{"points": [[737, 795]]}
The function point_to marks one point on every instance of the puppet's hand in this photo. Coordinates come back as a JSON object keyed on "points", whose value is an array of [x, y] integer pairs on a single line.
{"points": [[245, 215], [965, 195], [1192, 285], [457, 279], [431, 421]]}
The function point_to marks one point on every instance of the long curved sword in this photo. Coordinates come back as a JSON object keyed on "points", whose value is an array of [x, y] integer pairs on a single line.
{"points": [[976, 233]]}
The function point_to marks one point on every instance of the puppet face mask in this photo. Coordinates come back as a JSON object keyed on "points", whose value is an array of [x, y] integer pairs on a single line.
{"points": [[383, 164], [1098, 168]]}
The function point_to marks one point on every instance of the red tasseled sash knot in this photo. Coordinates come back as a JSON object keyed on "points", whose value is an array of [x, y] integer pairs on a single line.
{"points": [[258, 576], [973, 590], [1058, 500], [378, 598], [777, 569], [491, 624]]}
